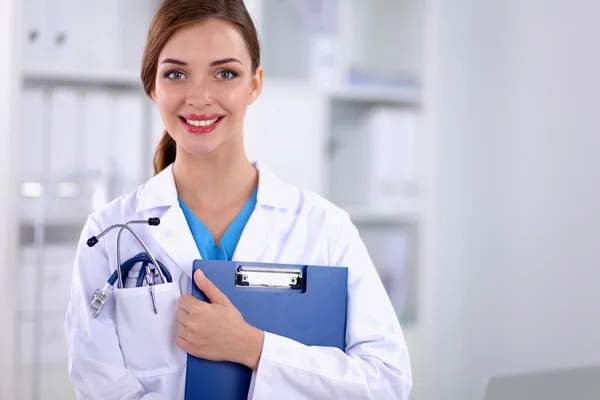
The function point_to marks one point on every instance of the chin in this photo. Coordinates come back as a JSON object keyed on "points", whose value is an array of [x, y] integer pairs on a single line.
{"points": [[200, 146], [199, 150], [197, 144]]}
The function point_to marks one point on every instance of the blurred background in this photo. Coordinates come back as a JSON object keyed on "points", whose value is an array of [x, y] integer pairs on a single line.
{"points": [[461, 136]]}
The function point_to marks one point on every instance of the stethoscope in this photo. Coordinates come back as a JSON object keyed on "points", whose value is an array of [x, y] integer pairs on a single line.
{"points": [[101, 296]]}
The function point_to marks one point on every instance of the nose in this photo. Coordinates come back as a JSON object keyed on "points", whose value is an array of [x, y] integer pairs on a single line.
{"points": [[199, 95]]}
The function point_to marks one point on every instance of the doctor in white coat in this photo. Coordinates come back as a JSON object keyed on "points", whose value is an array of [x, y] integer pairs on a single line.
{"points": [[202, 68]]}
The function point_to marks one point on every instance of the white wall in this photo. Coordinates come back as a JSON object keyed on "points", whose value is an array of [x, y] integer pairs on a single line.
{"points": [[9, 79], [515, 277]]}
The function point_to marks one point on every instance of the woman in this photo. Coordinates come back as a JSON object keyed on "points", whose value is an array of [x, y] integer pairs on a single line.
{"points": [[201, 66]]}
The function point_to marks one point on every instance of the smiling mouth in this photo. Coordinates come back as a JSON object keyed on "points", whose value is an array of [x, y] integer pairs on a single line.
{"points": [[201, 122]]}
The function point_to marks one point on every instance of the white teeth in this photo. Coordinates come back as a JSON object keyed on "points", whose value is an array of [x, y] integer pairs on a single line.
{"points": [[201, 122]]}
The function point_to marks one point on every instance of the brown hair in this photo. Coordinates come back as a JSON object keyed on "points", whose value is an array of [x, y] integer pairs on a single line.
{"points": [[175, 14]]}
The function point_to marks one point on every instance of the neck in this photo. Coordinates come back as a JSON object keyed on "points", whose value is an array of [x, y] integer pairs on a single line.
{"points": [[214, 181]]}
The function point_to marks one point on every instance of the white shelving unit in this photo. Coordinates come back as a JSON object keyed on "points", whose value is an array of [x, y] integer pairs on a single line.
{"points": [[319, 92], [78, 61]]}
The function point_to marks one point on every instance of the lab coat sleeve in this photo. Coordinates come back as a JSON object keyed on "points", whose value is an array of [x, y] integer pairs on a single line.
{"points": [[375, 364], [96, 366]]}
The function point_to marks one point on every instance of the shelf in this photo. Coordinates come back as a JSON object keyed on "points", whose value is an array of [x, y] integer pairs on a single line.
{"points": [[408, 96], [400, 96], [82, 78], [56, 230], [70, 221], [368, 216]]}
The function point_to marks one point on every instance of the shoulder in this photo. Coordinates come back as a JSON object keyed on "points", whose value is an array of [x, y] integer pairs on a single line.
{"points": [[322, 209], [313, 219], [304, 207], [159, 191], [119, 209], [308, 206], [330, 229]]}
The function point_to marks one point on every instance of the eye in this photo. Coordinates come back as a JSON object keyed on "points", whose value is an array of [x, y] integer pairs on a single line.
{"points": [[226, 75], [175, 75]]}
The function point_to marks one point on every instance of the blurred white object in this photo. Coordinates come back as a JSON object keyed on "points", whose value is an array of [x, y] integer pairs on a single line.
{"points": [[96, 36], [302, 40], [384, 37], [374, 160], [63, 156], [32, 140], [35, 35], [53, 343], [55, 264], [98, 127], [80, 149], [134, 18], [322, 68], [319, 19], [127, 142], [282, 125], [391, 249], [394, 157], [312, 15], [577, 383], [61, 22]]}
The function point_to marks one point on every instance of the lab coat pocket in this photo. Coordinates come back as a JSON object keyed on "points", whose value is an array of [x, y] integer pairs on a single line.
{"points": [[148, 339]]}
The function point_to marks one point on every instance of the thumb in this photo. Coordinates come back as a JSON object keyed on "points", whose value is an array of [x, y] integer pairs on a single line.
{"points": [[215, 296]]}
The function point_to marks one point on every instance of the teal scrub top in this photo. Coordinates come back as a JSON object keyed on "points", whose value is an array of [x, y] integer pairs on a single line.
{"points": [[204, 239]]}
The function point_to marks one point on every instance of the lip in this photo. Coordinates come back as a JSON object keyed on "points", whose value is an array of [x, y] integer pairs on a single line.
{"points": [[202, 117]]}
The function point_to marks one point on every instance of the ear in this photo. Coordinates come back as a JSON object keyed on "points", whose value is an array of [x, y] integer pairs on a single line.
{"points": [[256, 86]]}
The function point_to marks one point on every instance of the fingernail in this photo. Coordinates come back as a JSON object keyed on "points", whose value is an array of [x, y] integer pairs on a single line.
{"points": [[199, 274]]}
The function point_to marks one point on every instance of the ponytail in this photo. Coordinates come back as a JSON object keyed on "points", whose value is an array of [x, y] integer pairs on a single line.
{"points": [[165, 153]]}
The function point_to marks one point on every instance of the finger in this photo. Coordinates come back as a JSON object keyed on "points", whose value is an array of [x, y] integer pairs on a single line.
{"points": [[182, 317], [189, 303], [182, 331], [210, 290], [183, 344]]}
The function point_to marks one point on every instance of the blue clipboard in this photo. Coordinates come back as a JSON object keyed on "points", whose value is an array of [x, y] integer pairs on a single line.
{"points": [[302, 302]]}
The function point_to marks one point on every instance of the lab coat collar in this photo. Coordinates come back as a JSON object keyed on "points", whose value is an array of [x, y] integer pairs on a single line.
{"points": [[160, 191], [158, 198]]}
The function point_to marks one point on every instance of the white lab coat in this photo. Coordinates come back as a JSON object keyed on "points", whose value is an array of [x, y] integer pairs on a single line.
{"points": [[128, 352]]}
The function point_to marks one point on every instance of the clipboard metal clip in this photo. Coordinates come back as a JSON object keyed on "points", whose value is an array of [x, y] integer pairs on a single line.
{"points": [[273, 278]]}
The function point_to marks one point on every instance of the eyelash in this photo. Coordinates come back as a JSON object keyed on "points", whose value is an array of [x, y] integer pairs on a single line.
{"points": [[168, 75]]}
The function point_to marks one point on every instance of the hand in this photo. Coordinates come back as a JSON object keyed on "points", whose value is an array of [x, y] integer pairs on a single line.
{"points": [[216, 330]]}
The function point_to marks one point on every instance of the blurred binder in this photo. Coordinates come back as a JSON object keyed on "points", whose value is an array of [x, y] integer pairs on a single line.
{"points": [[98, 131], [128, 141], [302, 302], [375, 160], [32, 141], [64, 160], [393, 177]]}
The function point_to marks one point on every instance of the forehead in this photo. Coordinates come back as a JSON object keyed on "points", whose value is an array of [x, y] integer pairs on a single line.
{"points": [[206, 41]]}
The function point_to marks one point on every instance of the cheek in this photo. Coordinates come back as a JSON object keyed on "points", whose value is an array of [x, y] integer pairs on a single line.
{"points": [[237, 99], [167, 100]]}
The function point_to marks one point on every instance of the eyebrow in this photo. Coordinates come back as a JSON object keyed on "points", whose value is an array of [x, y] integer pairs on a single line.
{"points": [[173, 61], [225, 61], [212, 64]]}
